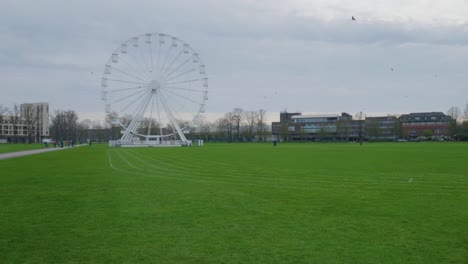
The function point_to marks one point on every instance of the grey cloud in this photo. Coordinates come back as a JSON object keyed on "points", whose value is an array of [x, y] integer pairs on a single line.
{"points": [[252, 54]]}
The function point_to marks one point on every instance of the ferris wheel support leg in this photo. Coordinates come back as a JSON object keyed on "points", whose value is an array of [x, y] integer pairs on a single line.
{"points": [[174, 122], [131, 130]]}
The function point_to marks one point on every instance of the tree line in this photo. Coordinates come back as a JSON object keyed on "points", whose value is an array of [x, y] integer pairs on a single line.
{"points": [[458, 127], [238, 125]]}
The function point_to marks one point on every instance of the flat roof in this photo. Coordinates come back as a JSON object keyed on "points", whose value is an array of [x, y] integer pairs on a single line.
{"points": [[315, 116]]}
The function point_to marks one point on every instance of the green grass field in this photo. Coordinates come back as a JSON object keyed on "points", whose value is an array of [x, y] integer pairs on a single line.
{"points": [[238, 203], [5, 148]]}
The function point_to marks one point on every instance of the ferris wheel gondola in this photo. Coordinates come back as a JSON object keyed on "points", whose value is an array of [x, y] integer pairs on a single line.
{"points": [[154, 85]]}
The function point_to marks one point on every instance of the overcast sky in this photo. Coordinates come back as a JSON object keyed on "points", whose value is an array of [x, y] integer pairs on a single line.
{"points": [[306, 56]]}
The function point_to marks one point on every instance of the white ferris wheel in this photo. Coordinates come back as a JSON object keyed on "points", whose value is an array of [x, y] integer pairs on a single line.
{"points": [[154, 87]]}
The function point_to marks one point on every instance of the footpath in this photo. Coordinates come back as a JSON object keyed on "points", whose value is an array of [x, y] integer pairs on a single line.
{"points": [[16, 154]]}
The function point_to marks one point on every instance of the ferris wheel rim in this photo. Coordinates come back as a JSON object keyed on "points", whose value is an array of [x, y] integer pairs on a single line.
{"points": [[165, 85], [154, 33]]}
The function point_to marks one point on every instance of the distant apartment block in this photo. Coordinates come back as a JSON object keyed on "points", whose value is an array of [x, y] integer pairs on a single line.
{"points": [[434, 124], [342, 127], [30, 124], [382, 128], [295, 126]]}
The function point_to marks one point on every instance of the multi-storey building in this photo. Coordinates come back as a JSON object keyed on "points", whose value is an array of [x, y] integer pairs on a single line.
{"points": [[382, 128], [40, 113], [342, 127], [428, 124], [13, 129], [31, 124], [295, 126]]}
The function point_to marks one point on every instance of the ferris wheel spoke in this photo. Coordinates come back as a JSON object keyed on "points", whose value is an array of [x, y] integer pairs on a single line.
{"points": [[176, 110], [181, 105], [123, 81], [184, 89], [159, 47], [132, 102], [152, 62], [170, 78], [126, 97], [181, 65], [164, 61], [151, 114], [142, 57], [159, 116], [128, 74], [167, 107], [135, 124], [157, 66], [133, 65], [172, 62], [140, 60], [184, 81], [141, 73], [127, 89], [181, 96]]}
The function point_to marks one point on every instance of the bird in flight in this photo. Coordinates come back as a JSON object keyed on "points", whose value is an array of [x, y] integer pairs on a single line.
{"points": [[354, 19]]}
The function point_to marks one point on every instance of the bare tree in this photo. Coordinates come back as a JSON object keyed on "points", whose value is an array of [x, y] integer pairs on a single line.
{"points": [[205, 130], [303, 133], [72, 120], [236, 118], [261, 126], [360, 117], [454, 112], [226, 125], [251, 118], [342, 129], [16, 121], [111, 122], [465, 112], [148, 126], [30, 118], [284, 131], [3, 110], [110, 118], [372, 129], [83, 130], [65, 125], [98, 132], [322, 132], [397, 127]]}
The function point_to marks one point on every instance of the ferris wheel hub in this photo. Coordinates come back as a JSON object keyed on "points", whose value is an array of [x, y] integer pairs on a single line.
{"points": [[155, 86]]}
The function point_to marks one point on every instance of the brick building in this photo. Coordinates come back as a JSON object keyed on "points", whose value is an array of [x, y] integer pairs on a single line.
{"points": [[428, 124]]}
